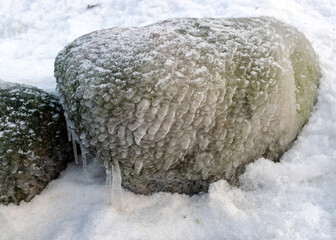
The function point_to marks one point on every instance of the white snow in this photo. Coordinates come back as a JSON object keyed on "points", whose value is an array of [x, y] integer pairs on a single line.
{"points": [[293, 199]]}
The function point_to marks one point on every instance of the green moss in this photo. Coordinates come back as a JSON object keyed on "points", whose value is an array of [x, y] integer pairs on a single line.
{"points": [[33, 141], [306, 74]]}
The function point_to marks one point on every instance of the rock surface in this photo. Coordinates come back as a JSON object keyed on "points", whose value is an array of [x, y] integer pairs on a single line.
{"points": [[34, 147], [185, 102]]}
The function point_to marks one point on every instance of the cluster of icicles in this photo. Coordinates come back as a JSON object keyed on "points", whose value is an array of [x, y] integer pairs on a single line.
{"points": [[113, 174]]}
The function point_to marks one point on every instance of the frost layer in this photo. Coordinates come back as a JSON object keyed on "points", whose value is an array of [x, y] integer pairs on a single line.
{"points": [[33, 141], [185, 102]]}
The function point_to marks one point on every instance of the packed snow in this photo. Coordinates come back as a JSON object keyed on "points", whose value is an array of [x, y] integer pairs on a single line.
{"points": [[293, 199]]}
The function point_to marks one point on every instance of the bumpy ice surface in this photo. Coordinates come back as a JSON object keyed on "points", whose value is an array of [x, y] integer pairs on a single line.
{"points": [[185, 102]]}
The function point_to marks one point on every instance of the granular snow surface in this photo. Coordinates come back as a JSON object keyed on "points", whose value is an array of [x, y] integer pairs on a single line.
{"points": [[293, 199]]}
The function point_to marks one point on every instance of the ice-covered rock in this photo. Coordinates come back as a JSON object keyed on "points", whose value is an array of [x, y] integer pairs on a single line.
{"points": [[34, 147], [185, 102]]}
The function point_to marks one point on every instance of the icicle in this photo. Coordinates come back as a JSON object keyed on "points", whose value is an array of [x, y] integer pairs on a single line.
{"points": [[74, 146], [84, 165], [69, 133], [97, 159], [108, 187], [116, 187], [95, 162], [68, 128], [83, 150]]}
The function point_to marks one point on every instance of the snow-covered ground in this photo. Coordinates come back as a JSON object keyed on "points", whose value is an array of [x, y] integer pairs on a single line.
{"points": [[293, 199]]}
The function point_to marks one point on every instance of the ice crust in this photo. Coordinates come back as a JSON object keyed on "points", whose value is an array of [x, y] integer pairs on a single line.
{"points": [[186, 102]]}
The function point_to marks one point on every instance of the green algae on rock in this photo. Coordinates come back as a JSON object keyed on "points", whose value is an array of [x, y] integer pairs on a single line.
{"points": [[34, 147], [185, 102]]}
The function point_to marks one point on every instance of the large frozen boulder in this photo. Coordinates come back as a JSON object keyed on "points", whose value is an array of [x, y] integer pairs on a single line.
{"points": [[185, 102], [34, 147]]}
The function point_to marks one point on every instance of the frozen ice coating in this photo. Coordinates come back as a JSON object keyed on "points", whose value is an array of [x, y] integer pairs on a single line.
{"points": [[185, 102], [34, 147]]}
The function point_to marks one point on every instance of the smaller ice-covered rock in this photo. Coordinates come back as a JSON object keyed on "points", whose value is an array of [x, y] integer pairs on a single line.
{"points": [[34, 146]]}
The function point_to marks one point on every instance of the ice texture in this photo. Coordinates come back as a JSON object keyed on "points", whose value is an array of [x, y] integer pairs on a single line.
{"points": [[185, 102], [34, 146]]}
